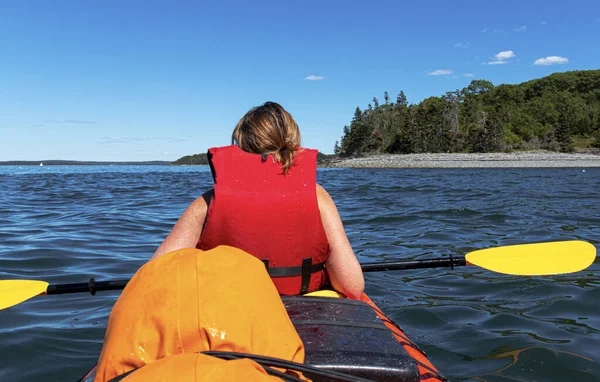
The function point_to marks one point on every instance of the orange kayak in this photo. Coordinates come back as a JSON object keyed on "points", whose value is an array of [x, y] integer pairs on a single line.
{"points": [[352, 338]]}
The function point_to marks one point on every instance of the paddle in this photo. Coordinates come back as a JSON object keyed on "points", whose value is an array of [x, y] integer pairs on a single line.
{"points": [[539, 259]]}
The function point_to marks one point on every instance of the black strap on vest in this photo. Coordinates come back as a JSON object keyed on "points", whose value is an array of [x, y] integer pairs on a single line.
{"points": [[305, 270]]}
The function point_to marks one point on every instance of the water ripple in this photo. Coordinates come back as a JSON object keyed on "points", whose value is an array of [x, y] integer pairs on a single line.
{"points": [[67, 224]]}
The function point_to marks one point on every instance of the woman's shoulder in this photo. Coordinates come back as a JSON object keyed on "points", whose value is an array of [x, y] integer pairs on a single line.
{"points": [[323, 197], [203, 201]]}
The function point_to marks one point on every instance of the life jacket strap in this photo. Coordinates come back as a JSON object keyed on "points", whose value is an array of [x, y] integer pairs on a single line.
{"points": [[305, 270]]}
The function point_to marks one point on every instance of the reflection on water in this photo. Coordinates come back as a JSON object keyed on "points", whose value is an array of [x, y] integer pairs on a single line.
{"points": [[67, 224], [532, 360]]}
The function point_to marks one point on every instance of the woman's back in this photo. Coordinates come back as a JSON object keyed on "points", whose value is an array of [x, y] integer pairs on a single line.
{"points": [[274, 217]]}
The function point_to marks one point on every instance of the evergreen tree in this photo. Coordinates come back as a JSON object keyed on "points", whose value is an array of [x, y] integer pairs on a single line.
{"points": [[566, 122], [487, 137], [596, 134], [401, 100], [563, 138], [358, 114]]}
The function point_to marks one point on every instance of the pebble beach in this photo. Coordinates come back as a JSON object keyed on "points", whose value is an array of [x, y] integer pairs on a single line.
{"points": [[529, 159]]}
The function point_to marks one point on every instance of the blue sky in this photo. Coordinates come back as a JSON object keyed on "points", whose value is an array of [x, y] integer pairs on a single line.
{"points": [[149, 80]]}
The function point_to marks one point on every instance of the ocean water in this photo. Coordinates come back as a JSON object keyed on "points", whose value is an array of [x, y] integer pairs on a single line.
{"points": [[65, 224]]}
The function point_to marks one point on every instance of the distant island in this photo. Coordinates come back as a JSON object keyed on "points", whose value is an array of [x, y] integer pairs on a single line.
{"points": [[202, 159], [188, 160], [80, 163]]}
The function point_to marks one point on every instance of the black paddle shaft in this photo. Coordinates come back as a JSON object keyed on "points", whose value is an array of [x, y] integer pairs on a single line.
{"points": [[91, 286], [94, 286], [449, 262]]}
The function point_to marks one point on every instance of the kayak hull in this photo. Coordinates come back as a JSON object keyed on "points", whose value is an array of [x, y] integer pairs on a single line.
{"points": [[353, 337]]}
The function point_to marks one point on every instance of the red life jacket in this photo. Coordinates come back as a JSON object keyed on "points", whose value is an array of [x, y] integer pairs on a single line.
{"points": [[272, 216]]}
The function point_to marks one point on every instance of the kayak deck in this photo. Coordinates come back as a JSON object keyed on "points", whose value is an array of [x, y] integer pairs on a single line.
{"points": [[354, 338], [344, 335]]}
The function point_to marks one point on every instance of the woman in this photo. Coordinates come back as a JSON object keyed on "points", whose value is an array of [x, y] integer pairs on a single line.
{"points": [[266, 202]]}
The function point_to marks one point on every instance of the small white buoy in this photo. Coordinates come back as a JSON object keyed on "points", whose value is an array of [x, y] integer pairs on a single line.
{"points": [[583, 170]]}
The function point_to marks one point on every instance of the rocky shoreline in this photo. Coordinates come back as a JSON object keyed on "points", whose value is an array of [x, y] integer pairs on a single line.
{"points": [[531, 159]]}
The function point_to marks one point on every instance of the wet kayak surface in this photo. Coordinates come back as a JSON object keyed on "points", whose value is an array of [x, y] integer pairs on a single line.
{"points": [[65, 224]]}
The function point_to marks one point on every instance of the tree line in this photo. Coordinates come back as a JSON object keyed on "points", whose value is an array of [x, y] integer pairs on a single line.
{"points": [[195, 159], [202, 159], [546, 113]]}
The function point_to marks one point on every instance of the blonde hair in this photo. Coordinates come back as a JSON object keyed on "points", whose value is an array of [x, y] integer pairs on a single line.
{"points": [[268, 129]]}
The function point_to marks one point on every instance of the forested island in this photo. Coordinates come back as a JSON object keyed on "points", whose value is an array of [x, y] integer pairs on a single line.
{"points": [[202, 159], [550, 113], [196, 159], [79, 163]]}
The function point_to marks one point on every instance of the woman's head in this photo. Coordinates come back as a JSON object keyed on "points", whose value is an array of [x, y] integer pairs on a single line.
{"points": [[268, 129]]}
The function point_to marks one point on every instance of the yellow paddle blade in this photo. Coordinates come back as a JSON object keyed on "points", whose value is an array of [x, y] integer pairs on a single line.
{"points": [[536, 259], [324, 293], [13, 292]]}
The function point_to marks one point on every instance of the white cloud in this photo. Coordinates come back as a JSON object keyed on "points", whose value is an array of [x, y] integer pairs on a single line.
{"points": [[75, 121], [551, 60], [454, 76], [117, 139], [502, 58], [522, 28], [312, 77], [463, 45], [468, 75], [543, 23], [491, 30], [166, 153], [505, 55], [440, 72]]}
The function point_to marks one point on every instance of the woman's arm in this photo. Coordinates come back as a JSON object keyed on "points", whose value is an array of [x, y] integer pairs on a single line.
{"points": [[342, 265], [187, 230]]}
